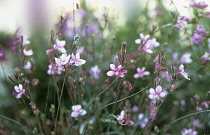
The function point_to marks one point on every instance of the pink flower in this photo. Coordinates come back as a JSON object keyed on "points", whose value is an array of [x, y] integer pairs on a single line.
{"points": [[75, 60], [123, 120], [49, 51], [173, 87], [141, 72], [63, 60], [142, 39], [27, 53], [77, 110], [186, 58], [59, 45], [19, 91], [157, 94], [116, 71], [181, 71]]}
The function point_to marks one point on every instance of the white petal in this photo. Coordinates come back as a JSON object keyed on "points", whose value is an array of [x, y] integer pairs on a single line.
{"points": [[158, 89], [112, 66], [83, 112], [138, 41], [152, 91], [110, 73]]}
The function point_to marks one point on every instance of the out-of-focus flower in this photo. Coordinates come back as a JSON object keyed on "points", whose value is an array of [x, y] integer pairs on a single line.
{"points": [[116, 71], [95, 72], [77, 110], [197, 123], [181, 21], [19, 91], [182, 102], [142, 39], [122, 119], [200, 4], [205, 57], [143, 121], [127, 84], [75, 60], [196, 38], [206, 104], [186, 58], [27, 52], [200, 29], [141, 72], [189, 132], [181, 71], [135, 108], [199, 34], [157, 94], [59, 45], [63, 60], [28, 65], [2, 55]]}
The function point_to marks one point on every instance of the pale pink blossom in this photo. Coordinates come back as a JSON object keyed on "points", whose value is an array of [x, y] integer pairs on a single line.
{"points": [[186, 58], [19, 91], [75, 60], [157, 93], [142, 39], [122, 119], [27, 52], [116, 71], [63, 60], [77, 110], [181, 72], [141, 72], [59, 45]]}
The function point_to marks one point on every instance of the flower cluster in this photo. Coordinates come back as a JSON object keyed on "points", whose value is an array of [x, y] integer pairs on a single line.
{"points": [[147, 44], [199, 34]]}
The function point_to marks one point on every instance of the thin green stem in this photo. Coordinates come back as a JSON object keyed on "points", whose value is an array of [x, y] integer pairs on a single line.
{"points": [[59, 101], [183, 117]]}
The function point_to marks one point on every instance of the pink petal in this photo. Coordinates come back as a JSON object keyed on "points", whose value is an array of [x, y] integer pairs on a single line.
{"points": [[152, 96], [162, 94], [136, 75], [83, 112], [138, 70], [74, 114]]}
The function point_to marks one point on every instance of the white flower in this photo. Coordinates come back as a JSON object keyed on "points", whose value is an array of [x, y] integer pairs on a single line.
{"points": [[77, 110], [157, 94], [19, 91], [59, 45]]}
